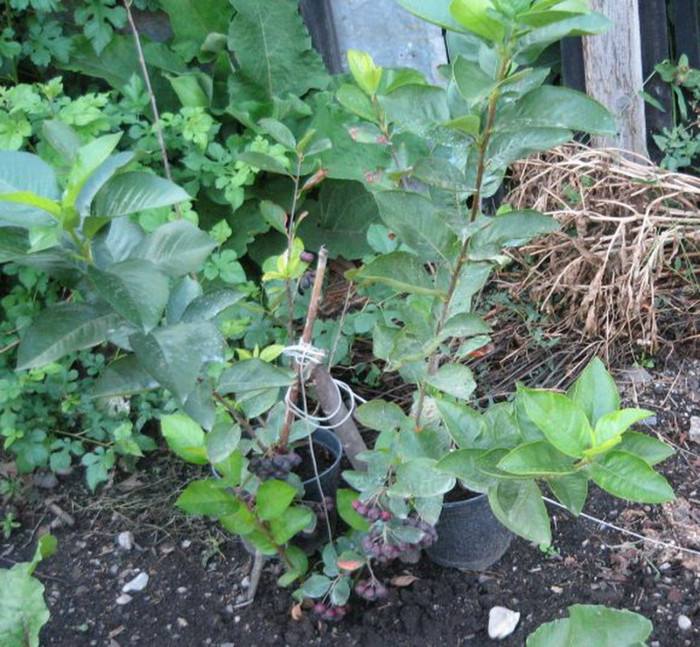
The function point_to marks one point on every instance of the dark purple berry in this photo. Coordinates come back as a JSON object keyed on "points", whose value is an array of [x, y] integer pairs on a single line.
{"points": [[386, 515], [319, 608]]}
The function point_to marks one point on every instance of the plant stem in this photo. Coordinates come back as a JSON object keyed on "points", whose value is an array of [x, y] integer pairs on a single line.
{"points": [[151, 95], [474, 212], [305, 339], [290, 245]]}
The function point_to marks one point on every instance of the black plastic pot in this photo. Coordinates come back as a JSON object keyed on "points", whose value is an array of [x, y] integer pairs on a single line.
{"points": [[329, 478], [469, 535]]}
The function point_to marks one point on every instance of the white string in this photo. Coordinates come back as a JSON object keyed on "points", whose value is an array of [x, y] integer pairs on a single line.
{"points": [[307, 357], [624, 531]]}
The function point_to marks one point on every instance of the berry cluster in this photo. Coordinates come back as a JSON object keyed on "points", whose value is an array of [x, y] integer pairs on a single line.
{"points": [[379, 544], [429, 532], [276, 466], [371, 590], [371, 512], [329, 612]]}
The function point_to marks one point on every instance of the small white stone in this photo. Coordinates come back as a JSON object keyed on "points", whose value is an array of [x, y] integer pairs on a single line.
{"points": [[245, 582], [502, 622], [694, 431], [182, 623], [124, 599], [684, 623], [125, 540], [181, 589], [137, 584]]}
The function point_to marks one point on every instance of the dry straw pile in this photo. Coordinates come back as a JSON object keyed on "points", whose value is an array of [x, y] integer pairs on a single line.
{"points": [[623, 274]]}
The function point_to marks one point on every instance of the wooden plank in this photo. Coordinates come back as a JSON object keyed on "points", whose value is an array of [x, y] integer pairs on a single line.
{"points": [[613, 62], [656, 47], [318, 16], [686, 23]]}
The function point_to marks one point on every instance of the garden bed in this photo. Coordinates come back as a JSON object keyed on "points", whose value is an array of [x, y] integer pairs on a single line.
{"points": [[197, 572]]}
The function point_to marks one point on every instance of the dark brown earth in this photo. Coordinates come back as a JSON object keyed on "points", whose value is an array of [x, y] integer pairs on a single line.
{"points": [[196, 572]]}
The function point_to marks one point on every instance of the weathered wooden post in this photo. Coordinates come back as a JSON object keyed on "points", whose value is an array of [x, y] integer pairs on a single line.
{"points": [[613, 62]]}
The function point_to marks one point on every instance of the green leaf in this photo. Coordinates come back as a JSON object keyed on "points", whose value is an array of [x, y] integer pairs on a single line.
{"points": [[476, 16], [465, 324], [518, 505], [222, 441], [341, 591], [185, 437], [176, 248], [136, 191], [254, 375], [273, 48], [399, 270], [345, 498], [98, 178], [415, 221], [123, 377], [181, 296], [14, 243], [273, 498], [562, 421], [510, 146], [473, 84], [356, 101], [454, 379], [365, 72], [593, 626], [475, 468], [88, 159], [135, 289], [441, 173], [263, 162], [23, 611], [615, 423], [649, 449], [192, 21], [174, 355], [380, 415], [291, 522], [194, 89], [316, 586], [208, 306], [206, 498], [420, 477], [421, 110], [63, 329], [464, 425], [279, 132], [550, 106], [538, 459], [595, 391], [571, 490], [299, 562], [435, 11], [62, 138], [509, 230], [629, 477]]}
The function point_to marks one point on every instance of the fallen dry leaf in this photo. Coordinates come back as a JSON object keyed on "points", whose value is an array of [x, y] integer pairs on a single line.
{"points": [[403, 580], [296, 612]]}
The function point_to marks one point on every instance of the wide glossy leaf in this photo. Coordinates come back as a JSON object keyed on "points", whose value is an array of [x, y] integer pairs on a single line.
{"points": [[466, 324], [193, 20], [509, 230], [254, 375], [208, 306], [199, 404], [14, 242], [347, 513], [116, 242], [420, 477], [133, 192], [476, 16], [629, 477], [22, 172], [441, 173], [509, 146], [538, 459], [571, 490], [472, 277], [135, 289], [181, 296], [23, 611], [185, 437], [273, 498], [221, 441], [291, 522], [263, 162], [88, 159], [616, 423], [454, 379], [595, 391], [176, 248], [62, 138], [416, 223], [356, 101], [380, 415], [593, 626], [473, 84], [552, 106], [561, 420], [317, 586], [401, 271], [649, 449], [435, 11], [123, 377], [518, 505], [63, 329], [465, 425], [98, 179], [206, 498], [174, 355], [466, 465]]}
